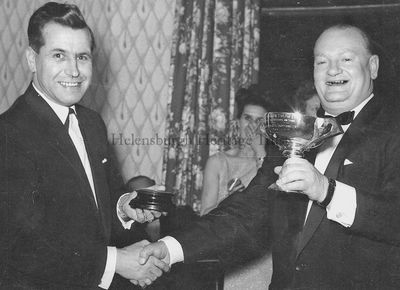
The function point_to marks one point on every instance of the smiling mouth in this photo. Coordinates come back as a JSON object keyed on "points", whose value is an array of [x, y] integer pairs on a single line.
{"points": [[70, 84], [336, 83]]}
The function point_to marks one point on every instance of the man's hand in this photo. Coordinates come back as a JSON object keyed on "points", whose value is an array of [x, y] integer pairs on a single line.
{"points": [[128, 265], [297, 174], [257, 140], [136, 214], [158, 250]]}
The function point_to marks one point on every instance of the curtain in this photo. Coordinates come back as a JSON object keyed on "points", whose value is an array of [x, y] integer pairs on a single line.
{"points": [[214, 52]]}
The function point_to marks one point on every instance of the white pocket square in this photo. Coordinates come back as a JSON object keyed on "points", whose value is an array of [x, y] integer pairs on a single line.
{"points": [[347, 162], [104, 160]]}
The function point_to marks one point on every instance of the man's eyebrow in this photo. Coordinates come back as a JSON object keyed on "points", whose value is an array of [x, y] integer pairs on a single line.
{"points": [[58, 50], [341, 51], [65, 52], [84, 53]]}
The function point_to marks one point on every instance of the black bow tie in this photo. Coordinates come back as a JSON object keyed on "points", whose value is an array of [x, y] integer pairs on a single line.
{"points": [[344, 118]]}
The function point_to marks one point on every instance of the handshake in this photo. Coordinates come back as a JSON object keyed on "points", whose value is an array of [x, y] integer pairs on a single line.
{"points": [[143, 262]]}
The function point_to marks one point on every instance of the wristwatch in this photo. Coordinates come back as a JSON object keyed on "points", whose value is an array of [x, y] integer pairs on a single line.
{"points": [[329, 194]]}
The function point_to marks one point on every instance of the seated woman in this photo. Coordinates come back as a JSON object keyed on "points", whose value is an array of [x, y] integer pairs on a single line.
{"points": [[232, 170]]}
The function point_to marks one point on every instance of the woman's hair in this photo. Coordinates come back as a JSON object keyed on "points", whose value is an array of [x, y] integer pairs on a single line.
{"points": [[251, 96]]}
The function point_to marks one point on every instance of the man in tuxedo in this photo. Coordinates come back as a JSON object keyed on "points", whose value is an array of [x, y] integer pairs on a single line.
{"points": [[58, 187], [335, 221]]}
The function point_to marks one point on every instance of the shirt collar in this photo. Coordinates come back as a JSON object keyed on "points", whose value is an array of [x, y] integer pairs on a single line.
{"points": [[360, 106], [357, 110], [61, 111]]}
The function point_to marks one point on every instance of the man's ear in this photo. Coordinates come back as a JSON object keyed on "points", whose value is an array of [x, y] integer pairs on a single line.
{"points": [[374, 66], [31, 58]]}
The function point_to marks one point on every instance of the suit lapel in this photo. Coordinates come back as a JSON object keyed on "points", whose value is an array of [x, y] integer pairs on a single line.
{"points": [[56, 135], [317, 213], [348, 143], [90, 136]]}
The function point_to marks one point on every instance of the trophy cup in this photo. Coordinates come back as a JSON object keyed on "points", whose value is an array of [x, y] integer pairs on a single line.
{"points": [[295, 133]]}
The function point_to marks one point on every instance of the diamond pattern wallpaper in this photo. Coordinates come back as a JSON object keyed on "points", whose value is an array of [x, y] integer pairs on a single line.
{"points": [[131, 72]]}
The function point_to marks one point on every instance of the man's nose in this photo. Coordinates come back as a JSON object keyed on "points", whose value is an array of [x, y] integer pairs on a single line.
{"points": [[72, 68], [334, 68]]}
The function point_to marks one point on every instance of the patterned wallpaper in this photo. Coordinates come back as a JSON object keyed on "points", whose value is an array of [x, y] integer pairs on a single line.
{"points": [[131, 72]]}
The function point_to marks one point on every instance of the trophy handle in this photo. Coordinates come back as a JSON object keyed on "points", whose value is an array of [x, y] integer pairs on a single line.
{"points": [[329, 128]]}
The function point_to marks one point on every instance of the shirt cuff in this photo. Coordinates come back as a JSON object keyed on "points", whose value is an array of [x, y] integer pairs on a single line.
{"points": [[125, 221], [342, 208], [174, 248], [110, 268]]}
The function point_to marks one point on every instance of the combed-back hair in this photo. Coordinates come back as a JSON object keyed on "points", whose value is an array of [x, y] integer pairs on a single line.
{"points": [[64, 14]]}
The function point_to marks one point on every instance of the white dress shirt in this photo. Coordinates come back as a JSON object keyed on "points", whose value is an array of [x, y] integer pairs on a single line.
{"points": [[77, 138], [341, 209], [62, 113]]}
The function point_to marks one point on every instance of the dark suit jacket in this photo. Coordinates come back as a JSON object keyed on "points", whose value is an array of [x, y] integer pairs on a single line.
{"points": [[52, 234], [323, 254]]}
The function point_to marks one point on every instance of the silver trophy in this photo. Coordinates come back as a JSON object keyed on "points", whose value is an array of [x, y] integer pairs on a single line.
{"points": [[295, 133]]}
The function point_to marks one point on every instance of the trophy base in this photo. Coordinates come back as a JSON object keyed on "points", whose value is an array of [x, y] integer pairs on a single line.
{"points": [[153, 200], [274, 186]]}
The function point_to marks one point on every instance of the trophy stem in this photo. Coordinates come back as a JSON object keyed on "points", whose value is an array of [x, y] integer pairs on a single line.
{"points": [[293, 152]]}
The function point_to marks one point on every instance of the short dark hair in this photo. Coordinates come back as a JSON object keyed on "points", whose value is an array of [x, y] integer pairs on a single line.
{"points": [[251, 96], [65, 14]]}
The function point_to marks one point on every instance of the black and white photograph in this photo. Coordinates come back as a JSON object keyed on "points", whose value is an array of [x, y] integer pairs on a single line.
{"points": [[199, 144]]}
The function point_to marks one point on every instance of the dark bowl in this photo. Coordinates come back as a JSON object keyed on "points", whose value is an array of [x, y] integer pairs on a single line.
{"points": [[153, 200]]}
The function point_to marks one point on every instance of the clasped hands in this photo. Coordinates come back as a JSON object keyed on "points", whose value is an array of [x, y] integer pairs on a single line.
{"points": [[131, 265], [298, 175]]}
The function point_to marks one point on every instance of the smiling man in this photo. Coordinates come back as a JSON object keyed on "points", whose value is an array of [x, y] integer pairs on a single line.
{"points": [[344, 69], [335, 221], [58, 187], [62, 66]]}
